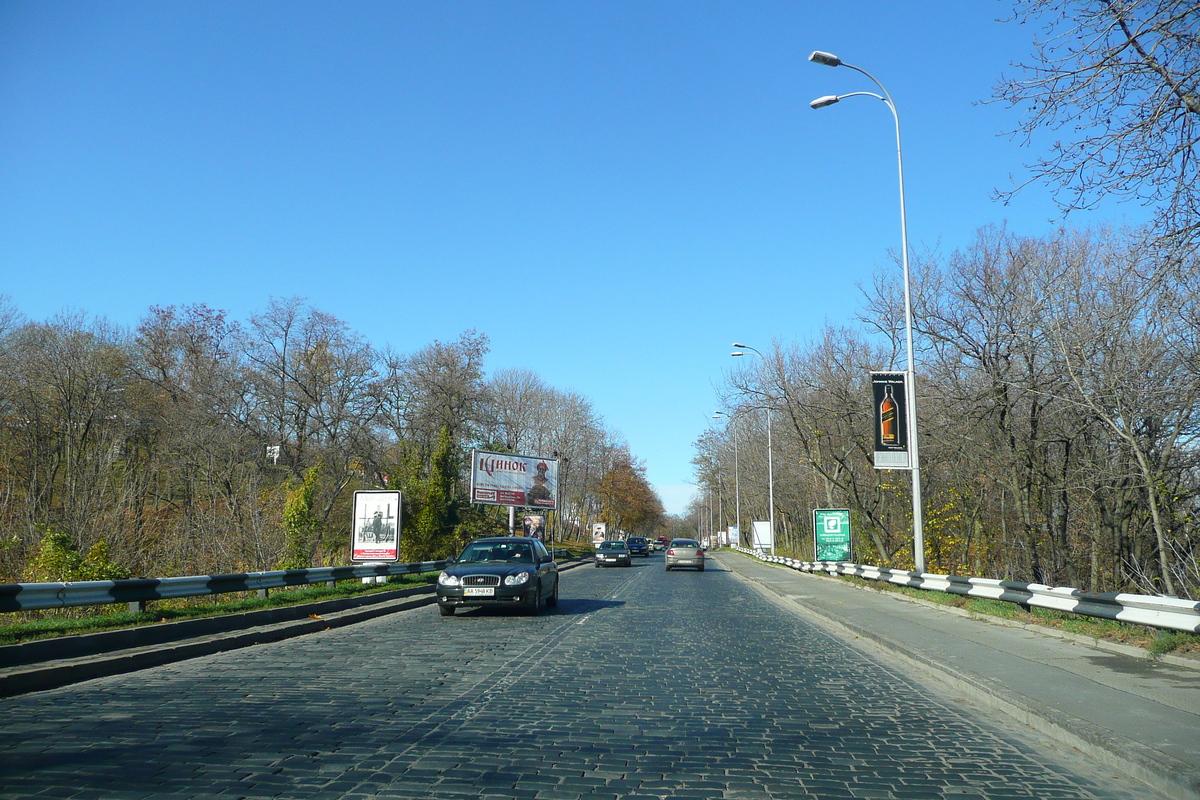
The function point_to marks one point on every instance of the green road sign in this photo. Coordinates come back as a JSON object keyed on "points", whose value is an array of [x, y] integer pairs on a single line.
{"points": [[831, 529]]}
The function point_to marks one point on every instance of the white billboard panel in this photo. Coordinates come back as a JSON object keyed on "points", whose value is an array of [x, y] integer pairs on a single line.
{"points": [[760, 533], [505, 479]]}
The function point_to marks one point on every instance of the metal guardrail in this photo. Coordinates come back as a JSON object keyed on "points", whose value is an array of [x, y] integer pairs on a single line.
{"points": [[138, 591], [1155, 612]]}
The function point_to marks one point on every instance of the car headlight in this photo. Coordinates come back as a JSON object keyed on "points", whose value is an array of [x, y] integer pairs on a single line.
{"points": [[517, 580], [446, 579]]}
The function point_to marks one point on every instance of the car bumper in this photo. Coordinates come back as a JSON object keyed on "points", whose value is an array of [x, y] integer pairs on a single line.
{"points": [[502, 596], [684, 562], [623, 561]]}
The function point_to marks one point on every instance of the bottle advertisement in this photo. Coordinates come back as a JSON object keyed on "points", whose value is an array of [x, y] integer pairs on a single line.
{"points": [[890, 412]]}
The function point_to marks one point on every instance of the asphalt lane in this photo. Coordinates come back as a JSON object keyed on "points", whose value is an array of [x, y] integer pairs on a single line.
{"points": [[641, 684]]}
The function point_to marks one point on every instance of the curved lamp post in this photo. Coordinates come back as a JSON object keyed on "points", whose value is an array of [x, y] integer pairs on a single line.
{"points": [[830, 60], [770, 449]]}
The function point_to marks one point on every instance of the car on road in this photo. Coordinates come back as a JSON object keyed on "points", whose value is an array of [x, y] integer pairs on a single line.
{"points": [[613, 553], [684, 553], [638, 546], [510, 572]]}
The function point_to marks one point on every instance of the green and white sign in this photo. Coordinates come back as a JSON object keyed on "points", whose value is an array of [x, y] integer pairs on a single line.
{"points": [[831, 530]]}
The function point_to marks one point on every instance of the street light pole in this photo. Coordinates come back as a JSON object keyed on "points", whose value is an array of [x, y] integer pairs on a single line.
{"points": [[770, 450], [830, 60]]}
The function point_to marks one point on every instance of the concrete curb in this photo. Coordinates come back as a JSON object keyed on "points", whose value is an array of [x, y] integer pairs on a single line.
{"points": [[1175, 779]]}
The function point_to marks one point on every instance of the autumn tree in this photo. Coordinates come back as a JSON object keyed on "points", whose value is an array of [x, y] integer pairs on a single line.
{"points": [[627, 501]]}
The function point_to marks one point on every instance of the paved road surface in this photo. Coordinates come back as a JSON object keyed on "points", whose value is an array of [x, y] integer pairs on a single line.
{"points": [[641, 684]]}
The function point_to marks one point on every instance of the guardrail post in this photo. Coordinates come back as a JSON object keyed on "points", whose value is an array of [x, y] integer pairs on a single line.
{"points": [[137, 606], [331, 584], [263, 592]]}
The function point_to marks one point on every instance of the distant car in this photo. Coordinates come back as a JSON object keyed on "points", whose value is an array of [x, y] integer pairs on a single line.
{"points": [[638, 546], [613, 554], [685, 553], [513, 572], [656, 545]]}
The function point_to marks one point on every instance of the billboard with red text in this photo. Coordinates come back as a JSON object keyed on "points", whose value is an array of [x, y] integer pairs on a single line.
{"points": [[505, 479]]}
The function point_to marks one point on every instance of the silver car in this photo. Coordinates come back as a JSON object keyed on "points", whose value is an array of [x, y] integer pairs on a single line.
{"points": [[685, 553]]}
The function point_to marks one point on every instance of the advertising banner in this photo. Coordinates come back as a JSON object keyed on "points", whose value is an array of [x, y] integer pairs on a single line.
{"points": [[735, 537], [534, 526], [890, 404], [599, 532], [376, 526], [504, 479], [831, 532]]}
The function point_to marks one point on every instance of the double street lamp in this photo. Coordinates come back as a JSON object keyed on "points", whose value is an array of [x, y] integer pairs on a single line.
{"points": [[770, 449], [830, 60]]}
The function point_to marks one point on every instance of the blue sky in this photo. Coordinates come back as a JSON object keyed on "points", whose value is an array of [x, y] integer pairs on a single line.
{"points": [[612, 191]]}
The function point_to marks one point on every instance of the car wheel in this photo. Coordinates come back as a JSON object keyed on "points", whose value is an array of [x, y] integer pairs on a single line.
{"points": [[668, 569], [552, 600], [597, 565], [536, 605], [700, 568], [447, 611]]}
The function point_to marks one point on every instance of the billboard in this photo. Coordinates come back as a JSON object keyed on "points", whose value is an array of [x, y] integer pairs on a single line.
{"points": [[890, 411], [735, 537], [505, 479], [375, 527], [831, 534]]}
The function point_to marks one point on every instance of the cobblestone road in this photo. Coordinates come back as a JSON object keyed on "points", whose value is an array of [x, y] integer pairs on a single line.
{"points": [[641, 684]]}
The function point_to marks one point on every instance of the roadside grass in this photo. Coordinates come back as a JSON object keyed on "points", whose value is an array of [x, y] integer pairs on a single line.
{"points": [[1154, 641], [26, 626]]}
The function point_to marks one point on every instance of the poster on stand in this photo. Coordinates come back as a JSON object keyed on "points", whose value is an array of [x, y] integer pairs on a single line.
{"points": [[831, 534], [376, 526]]}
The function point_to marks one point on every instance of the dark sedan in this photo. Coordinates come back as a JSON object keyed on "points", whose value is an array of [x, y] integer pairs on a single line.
{"points": [[613, 554], [638, 546], [512, 572]]}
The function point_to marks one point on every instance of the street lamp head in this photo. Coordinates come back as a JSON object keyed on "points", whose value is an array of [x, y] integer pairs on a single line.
{"points": [[827, 59], [738, 353], [827, 100], [735, 344]]}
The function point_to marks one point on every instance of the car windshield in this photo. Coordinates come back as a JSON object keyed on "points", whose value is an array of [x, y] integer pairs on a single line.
{"points": [[685, 543], [612, 546], [513, 552]]}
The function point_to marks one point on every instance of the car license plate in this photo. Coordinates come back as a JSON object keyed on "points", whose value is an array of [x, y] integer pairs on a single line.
{"points": [[479, 591]]}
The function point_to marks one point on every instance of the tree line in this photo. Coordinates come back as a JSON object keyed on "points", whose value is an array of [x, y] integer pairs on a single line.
{"points": [[1058, 381], [196, 444]]}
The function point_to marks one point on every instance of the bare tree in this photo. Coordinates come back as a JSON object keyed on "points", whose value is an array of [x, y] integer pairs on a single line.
{"points": [[1122, 77]]}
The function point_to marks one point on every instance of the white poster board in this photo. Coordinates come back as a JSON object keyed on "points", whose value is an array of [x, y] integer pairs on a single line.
{"points": [[760, 535], [375, 528]]}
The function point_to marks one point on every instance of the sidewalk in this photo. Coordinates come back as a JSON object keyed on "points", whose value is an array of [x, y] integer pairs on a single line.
{"points": [[1138, 715]]}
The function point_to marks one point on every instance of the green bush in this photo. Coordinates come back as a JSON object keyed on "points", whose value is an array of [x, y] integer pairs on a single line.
{"points": [[57, 559]]}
